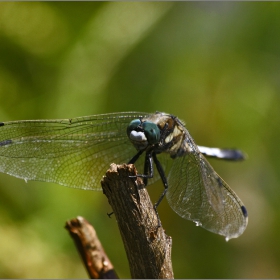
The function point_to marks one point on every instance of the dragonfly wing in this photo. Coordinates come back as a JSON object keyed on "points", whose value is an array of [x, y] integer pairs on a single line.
{"points": [[196, 192], [71, 152]]}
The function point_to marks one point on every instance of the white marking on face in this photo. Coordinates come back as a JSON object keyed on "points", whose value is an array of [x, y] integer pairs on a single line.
{"points": [[137, 136]]}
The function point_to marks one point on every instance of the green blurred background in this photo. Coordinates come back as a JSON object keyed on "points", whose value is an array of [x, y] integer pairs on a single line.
{"points": [[216, 65]]}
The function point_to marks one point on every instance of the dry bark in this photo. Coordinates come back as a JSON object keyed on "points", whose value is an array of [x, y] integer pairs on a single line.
{"points": [[147, 246], [91, 251]]}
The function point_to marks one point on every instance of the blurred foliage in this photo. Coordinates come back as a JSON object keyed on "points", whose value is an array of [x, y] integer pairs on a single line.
{"points": [[213, 64]]}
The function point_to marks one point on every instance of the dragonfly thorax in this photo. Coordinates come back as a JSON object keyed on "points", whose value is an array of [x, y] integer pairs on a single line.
{"points": [[173, 135]]}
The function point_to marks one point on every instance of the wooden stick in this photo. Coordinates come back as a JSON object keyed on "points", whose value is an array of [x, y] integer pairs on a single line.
{"points": [[92, 253], [147, 246]]}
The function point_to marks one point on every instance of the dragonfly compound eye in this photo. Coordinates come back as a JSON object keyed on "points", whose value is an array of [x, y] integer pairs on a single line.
{"points": [[152, 132], [133, 126]]}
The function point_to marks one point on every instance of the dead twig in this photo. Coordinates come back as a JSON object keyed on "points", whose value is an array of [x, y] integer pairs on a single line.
{"points": [[147, 246], [92, 253]]}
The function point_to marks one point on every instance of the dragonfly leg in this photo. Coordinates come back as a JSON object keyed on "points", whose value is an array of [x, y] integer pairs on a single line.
{"points": [[149, 173], [134, 159], [110, 214], [148, 168], [164, 180]]}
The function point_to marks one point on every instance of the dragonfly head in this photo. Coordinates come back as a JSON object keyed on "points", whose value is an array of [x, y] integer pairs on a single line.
{"points": [[143, 133]]}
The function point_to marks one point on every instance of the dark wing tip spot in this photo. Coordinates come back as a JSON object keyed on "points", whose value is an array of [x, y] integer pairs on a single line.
{"points": [[239, 155], [2, 124], [232, 154], [244, 211], [6, 142]]}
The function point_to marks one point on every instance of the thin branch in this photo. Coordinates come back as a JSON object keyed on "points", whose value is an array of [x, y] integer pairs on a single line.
{"points": [[92, 253], [147, 246]]}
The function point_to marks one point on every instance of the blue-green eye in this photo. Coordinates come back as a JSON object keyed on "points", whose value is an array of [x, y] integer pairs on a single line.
{"points": [[152, 132], [132, 126]]}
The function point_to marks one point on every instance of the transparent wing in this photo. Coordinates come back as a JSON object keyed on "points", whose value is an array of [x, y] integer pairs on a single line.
{"points": [[71, 152], [196, 192]]}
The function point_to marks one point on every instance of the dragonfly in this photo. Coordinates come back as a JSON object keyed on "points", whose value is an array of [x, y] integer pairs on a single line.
{"points": [[76, 153]]}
